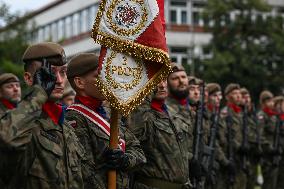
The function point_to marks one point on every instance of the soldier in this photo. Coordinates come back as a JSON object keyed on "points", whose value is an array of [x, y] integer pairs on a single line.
{"points": [[90, 121], [166, 165], [213, 114], [267, 120], [231, 138], [41, 149], [254, 139], [10, 92], [181, 116], [194, 91], [279, 107]]}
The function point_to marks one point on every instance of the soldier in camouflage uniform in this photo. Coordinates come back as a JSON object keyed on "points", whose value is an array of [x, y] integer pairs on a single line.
{"points": [[255, 140], [10, 92], [167, 163], [279, 107], [267, 120], [91, 125], [235, 176], [41, 149], [212, 110]]}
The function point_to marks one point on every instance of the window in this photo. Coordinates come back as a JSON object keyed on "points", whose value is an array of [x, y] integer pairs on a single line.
{"points": [[75, 24], [197, 10], [92, 13], [54, 31], [68, 27], [61, 29], [179, 55], [84, 21], [40, 34], [46, 36], [178, 12]]}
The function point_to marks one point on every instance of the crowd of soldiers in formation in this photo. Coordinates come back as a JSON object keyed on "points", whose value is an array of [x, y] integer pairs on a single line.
{"points": [[178, 138]]}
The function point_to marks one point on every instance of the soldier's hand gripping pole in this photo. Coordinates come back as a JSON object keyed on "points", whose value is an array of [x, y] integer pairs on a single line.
{"points": [[195, 163], [113, 145]]}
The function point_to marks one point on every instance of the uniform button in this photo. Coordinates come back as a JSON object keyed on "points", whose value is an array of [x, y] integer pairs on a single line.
{"points": [[180, 135]]}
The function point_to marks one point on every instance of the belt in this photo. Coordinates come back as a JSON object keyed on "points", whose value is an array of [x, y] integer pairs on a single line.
{"points": [[158, 183]]}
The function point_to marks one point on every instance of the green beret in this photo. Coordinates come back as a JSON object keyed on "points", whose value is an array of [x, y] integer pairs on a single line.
{"points": [[278, 100], [176, 67], [213, 88], [265, 95], [192, 80], [231, 87], [8, 78], [82, 64], [244, 91], [52, 52]]}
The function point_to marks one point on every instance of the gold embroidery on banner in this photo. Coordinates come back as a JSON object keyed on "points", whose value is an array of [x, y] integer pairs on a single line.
{"points": [[126, 32], [136, 73]]}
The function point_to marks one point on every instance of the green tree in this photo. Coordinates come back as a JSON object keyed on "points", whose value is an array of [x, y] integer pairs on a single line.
{"points": [[248, 49], [13, 40]]}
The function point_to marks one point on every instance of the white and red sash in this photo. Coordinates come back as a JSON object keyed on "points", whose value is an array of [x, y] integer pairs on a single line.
{"points": [[97, 120]]}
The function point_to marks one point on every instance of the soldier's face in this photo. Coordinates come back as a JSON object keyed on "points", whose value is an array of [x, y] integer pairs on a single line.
{"points": [[60, 73], [194, 93], [161, 91], [90, 85], [235, 97], [178, 83], [11, 91], [68, 100], [246, 99], [269, 103], [282, 107], [216, 98]]}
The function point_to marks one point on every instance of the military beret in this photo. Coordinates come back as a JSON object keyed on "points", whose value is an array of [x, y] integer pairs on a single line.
{"points": [[231, 87], [82, 64], [265, 95], [244, 91], [278, 99], [8, 78], [176, 67], [192, 80], [213, 88], [52, 52]]}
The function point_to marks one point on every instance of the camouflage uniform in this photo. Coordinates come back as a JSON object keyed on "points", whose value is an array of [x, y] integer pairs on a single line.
{"points": [[270, 172], [96, 142], [240, 177], [39, 153], [165, 145]]}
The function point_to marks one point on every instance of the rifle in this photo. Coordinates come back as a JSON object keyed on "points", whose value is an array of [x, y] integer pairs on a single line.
{"points": [[210, 158], [245, 138], [198, 135], [259, 175], [276, 143], [229, 123]]}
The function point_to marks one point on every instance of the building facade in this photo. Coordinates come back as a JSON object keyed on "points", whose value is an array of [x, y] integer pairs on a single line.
{"points": [[69, 22]]}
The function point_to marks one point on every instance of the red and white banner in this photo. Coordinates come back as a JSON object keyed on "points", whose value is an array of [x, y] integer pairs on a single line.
{"points": [[134, 56]]}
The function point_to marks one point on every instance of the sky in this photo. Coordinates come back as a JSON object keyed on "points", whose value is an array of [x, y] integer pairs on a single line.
{"points": [[25, 5]]}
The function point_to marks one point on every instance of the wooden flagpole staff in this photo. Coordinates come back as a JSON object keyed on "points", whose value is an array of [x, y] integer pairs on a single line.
{"points": [[113, 143]]}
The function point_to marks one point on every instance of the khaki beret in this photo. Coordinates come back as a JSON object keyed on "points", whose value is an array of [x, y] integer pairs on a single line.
{"points": [[192, 80], [176, 67], [278, 99], [244, 91], [231, 87], [213, 88], [265, 95], [82, 64], [8, 78], [52, 52]]}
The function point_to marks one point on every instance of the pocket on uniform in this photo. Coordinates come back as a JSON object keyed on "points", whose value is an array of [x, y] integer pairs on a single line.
{"points": [[164, 138]]}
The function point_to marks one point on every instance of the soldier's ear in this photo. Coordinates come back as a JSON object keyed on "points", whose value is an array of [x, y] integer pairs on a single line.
{"points": [[79, 82], [28, 77]]}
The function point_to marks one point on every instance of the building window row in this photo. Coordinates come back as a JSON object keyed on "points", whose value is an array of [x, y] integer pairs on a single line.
{"points": [[66, 27]]}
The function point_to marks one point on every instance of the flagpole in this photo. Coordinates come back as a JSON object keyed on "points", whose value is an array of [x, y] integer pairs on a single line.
{"points": [[113, 145]]}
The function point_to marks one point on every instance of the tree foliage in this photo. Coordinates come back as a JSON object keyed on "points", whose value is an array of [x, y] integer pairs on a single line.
{"points": [[13, 40], [247, 45]]}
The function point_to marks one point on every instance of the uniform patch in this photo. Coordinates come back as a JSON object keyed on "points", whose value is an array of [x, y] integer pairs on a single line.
{"points": [[50, 136], [73, 123]]}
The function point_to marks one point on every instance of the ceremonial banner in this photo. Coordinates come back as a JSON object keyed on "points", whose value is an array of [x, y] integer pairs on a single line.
{"points": [[133, 58]]}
